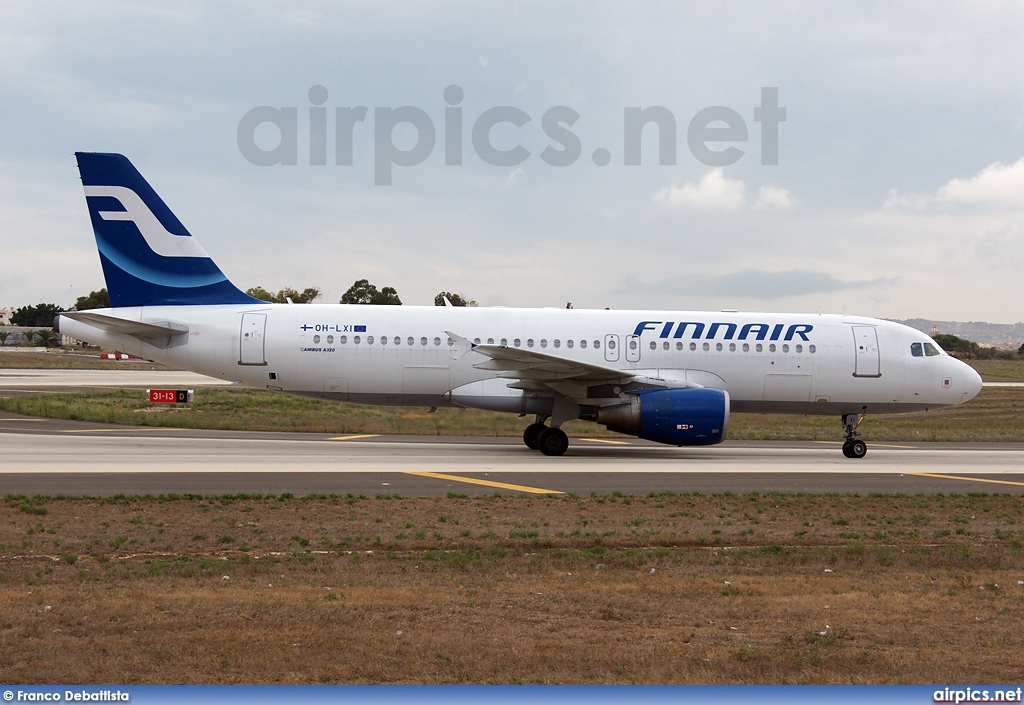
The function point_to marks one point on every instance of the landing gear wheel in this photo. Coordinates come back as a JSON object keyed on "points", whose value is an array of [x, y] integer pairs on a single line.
{"points": [[552, 441], [531, 433], [853, 447]]}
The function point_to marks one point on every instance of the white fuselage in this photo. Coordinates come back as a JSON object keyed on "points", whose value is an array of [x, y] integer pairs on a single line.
{"points": [[402, 355]]}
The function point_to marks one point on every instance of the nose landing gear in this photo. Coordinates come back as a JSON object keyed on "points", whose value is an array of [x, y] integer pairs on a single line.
{"points": [[853, 447]]}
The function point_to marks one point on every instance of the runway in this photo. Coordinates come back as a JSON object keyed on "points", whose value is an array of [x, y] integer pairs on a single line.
{"points": [[44, 456]]}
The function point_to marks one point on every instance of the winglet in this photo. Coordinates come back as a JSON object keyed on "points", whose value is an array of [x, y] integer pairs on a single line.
{"points": [[462, 345]]}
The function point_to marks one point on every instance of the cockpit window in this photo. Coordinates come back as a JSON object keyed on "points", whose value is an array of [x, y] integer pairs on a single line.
{"points": [[916, 350], [930, 350]]}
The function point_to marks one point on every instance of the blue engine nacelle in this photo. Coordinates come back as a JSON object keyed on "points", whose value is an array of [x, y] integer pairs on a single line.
{"points": [[679, 417]]}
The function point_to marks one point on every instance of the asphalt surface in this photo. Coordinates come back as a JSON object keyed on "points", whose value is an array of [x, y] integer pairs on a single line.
{"points": [[46, 456]]}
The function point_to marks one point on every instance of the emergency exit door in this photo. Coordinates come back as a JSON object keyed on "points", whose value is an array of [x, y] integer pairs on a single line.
{"points": [[251, 345]]}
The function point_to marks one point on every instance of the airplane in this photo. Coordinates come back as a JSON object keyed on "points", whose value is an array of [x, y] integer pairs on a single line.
{"points": [[673, 377]]}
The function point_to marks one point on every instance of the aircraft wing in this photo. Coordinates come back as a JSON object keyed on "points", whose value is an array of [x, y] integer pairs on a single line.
{"points": [[532, 370]]}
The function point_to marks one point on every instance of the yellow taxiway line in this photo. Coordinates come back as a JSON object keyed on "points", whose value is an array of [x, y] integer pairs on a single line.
{"points": [[605, 440], [487, 483], [352, 438], [968, 479]]}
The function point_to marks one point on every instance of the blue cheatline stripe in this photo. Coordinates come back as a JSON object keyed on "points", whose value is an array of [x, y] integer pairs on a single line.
{"points": [[499, 695]]}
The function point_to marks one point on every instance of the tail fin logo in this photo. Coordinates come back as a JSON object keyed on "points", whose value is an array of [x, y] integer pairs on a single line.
{"points": [[159, 239]]}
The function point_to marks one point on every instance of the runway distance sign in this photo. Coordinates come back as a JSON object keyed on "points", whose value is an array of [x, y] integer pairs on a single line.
{"points": [[170, 396]]}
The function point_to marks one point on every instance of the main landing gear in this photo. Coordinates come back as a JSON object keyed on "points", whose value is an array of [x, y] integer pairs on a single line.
{"points": [[853, 447], [549, 441]]}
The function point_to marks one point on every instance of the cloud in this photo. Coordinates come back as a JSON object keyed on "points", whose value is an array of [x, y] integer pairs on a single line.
{"points": [[753, 284], [714, 192], [774, 197], [998, 185]]}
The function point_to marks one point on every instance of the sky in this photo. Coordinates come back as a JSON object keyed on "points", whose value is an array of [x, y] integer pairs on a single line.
{"points": [[898, 190]]}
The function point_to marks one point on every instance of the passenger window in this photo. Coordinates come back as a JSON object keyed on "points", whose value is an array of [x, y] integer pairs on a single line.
{"points": [[785, 348], [799, 348], [930, 350], [423, 341], [343, 339], [665, 345], [732, 347], [611, 344], [811, 349], [383, 340], [316, 340], [771, 348], [707, 347], [437, 341], [759, 347], [452, 342], [356, 340], [543, 342], [746, 347], [369, 340], [476, 341], [330, 340], [718, 347], [529, 342], [597, 344], [632, 345], [398, 341], [516, 342], [693, 346], [679, 345], [558, 343], [412, 341], [504, 341], [569, 343], [490, 341], [583, 344], [917, 350]]}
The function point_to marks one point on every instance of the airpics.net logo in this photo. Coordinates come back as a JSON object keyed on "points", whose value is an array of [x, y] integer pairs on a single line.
{"points": [[711, 134]]}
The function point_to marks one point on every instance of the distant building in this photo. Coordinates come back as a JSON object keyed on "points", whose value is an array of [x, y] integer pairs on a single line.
{"points": [[5, 316], [935, 330]]}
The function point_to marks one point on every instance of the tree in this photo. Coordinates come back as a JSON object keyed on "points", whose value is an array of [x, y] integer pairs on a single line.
{"points": [[363, 292], [35, 316], [95, 299], [4, 334], [456, 299], [1020, 350], [29, 334], [46, 336], [308, 295]]}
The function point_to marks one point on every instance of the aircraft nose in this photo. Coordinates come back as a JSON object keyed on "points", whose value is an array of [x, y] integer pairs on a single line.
{"points": [[972, 382]]}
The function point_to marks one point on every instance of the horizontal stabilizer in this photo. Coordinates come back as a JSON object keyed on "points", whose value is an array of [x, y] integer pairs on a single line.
{"points": [[163, 334]]}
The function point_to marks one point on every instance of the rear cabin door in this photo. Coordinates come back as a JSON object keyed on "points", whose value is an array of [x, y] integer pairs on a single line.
{"points": [[865, 345], [251, 345]]}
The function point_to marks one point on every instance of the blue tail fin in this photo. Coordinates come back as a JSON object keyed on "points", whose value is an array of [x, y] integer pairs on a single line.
{"points": [[148, 256]]}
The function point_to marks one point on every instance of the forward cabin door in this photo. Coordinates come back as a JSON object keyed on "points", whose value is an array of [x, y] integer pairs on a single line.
{"points": [[251, 345], [865, 346]]}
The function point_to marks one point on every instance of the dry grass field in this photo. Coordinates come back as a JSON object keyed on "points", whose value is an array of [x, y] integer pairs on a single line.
{"points": [[508, 589]]}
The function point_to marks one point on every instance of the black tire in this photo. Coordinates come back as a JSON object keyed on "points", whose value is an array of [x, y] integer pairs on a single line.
{"points": [[531, 433], [858, 449], [846, 449], [552, 441]]}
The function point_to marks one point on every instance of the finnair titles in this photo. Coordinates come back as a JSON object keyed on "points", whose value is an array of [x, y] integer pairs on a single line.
{"points": [[671, 377]]}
